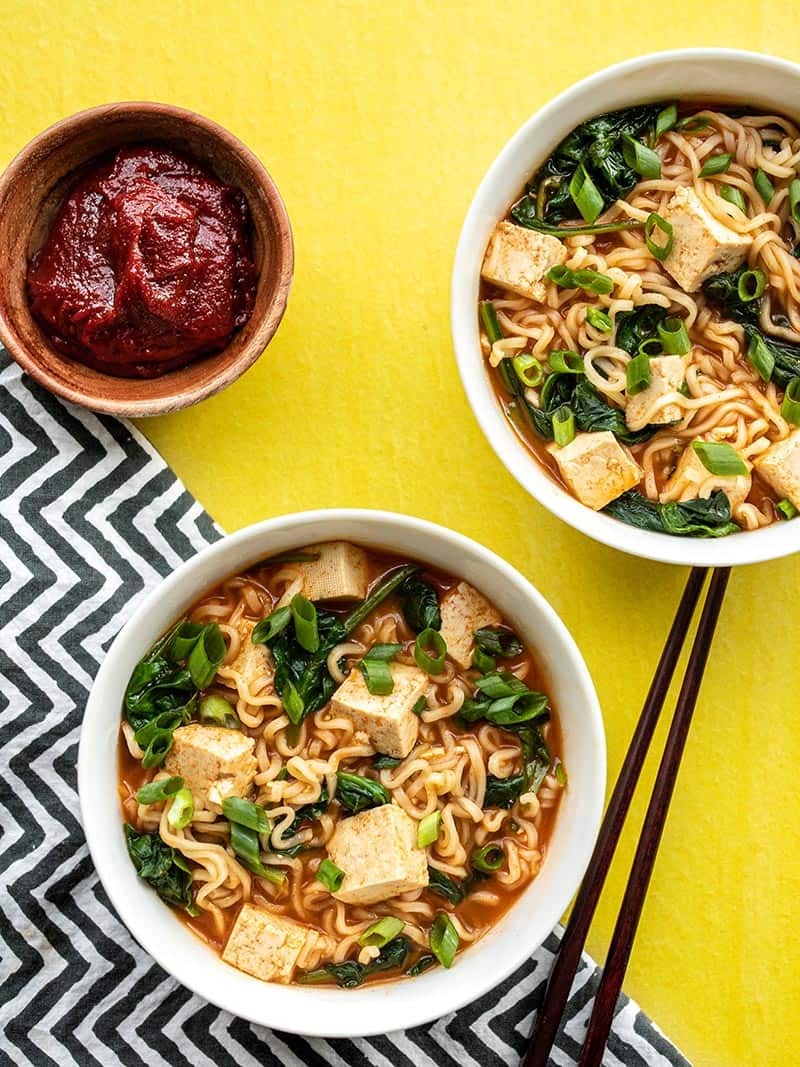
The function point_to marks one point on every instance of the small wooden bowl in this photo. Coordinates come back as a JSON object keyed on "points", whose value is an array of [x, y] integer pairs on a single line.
{"points": [[32, 190]]}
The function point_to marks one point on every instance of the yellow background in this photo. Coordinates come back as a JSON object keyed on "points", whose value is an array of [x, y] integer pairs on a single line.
{"points": [[377, 121]]}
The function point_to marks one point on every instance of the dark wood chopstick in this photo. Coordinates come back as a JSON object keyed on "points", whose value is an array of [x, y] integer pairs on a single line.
{"points": [[652, 829], [561, 978]]}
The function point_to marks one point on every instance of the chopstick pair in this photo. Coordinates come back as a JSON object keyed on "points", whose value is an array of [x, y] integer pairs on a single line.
{"points": [[549, 1016]]}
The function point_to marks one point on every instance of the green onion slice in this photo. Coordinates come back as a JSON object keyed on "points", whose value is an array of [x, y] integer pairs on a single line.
{"points": [[529, 370], [489, 858], [662, 247], [790, 408], [216, 711], [565, 361], [674, 336], [786, 509], [305, 623], [586, 196], [330, 875], [292, 702], [482, 661], [163, 789], [651, 346], [599, 320], [203, 647], [666, 119], [720, 458], [428, 829], [490, 323], [563, 425], [246, 813], [375, 668], [443, 939], [245, 845], [640, 158], [751, 285], [735, 196], [382, 932], [181, 810], [420, 706], [430, 651], [591, 281], [794, 199], [764, 187], [185, 638], [638, 374], [716, 165], [692, 124], [271, 626]]}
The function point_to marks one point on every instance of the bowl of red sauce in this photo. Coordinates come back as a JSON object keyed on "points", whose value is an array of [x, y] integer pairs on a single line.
{"points": [[147, 258]]}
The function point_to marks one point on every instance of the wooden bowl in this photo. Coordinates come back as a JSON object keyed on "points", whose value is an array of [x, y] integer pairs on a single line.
{"points": [[35, 185]]}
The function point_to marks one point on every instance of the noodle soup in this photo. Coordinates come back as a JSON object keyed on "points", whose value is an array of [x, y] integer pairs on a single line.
{"points": [[340, 767], [640, 320]]}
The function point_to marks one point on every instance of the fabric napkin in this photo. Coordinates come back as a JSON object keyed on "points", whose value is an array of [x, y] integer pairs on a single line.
{"points": [[90, 519]]}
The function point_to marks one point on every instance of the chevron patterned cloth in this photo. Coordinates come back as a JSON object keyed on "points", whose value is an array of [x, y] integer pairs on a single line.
{"points": [[90, 519]]}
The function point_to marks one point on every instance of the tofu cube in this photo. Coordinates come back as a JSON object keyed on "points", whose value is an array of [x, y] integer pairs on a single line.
{"points": [[519, 259], [268, 945], [596, 468], [388, 721], [340, 573], [377, 850], [780, 467], [701, 246], [251, 663], [214, 762], [692, 479], [464, 611], [666, 376]]}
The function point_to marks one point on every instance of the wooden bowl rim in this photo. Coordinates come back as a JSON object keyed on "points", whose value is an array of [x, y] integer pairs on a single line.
{"points": [[215, 380]]}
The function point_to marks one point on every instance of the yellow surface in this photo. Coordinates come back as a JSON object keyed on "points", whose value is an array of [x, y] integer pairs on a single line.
{"points": [[377, 120]]}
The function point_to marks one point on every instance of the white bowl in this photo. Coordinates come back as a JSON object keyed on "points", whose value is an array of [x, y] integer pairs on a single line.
{"points": [[377, 1009], [714, 73]]}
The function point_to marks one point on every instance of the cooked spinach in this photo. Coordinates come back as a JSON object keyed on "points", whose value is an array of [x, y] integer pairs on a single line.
{"points": [[524, 214], [505, 701], [382, 762], [302, 679], [351, 973], [498, 641], [420, 604], [723, 290], [597, 145], [424, 963], [162, 866], [689, 518], [536, 762], [309, 812], [633, 327], [593, 413], [445, 886], [356, 793]]}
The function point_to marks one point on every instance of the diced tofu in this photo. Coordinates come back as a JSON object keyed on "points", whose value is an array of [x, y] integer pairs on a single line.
{"points": [[388, 721], [214, 762], [464, 611], [377, 850], [268, 945], [596, 468], [518, 259], [666, 376], [701, 246], [340, 573], [252, 662], [780, 466], [692, 479]]}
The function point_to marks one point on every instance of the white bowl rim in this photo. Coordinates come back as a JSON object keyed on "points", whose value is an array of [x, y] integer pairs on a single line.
{"points": [[753, 546], [344, 1014]]}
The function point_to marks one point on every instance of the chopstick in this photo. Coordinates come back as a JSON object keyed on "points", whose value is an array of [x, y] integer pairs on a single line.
{"points": [[568, 959]]}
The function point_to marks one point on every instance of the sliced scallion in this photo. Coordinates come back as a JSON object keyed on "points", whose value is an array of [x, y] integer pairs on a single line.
{"points": [[651, 346], [420, 706], [376, 670], [786, 509], [640, 158], [428, 829], [565, 361], [586, 196], [794, 199], [330, 875], [599, 320], [637, 374], [271, 626], [716, 165], [162, 789], [430, 651], [490, 323], [245, 845], [790, 408], [443, 939], [246, 813], [181, 809], [215, 710], [591, 281], [720, 458], [382, 932], [734, 196], [662, 247], [529, 370], [751, 285], [563, 425], [292, 702], [206, 654], [692, 124], [764, 187], [674, 336], [482, 661], [666, 119], [489, 858], [305, 623]]}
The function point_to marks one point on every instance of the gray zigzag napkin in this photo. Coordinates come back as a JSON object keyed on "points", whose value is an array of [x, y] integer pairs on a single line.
{"points": [[90, 518]]}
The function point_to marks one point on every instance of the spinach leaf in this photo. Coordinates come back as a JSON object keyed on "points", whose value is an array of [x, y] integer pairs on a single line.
{"points": [[504, 700], [162, 866], [597, 145], [424, 963], [309, 812], [690, 518], [381, 762], [503, 792], [633, 327], [356, 793], [351, 973], [445, 886], [420, 603], [536, 762], [524, 214], [593, 413], [498, 641]]}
